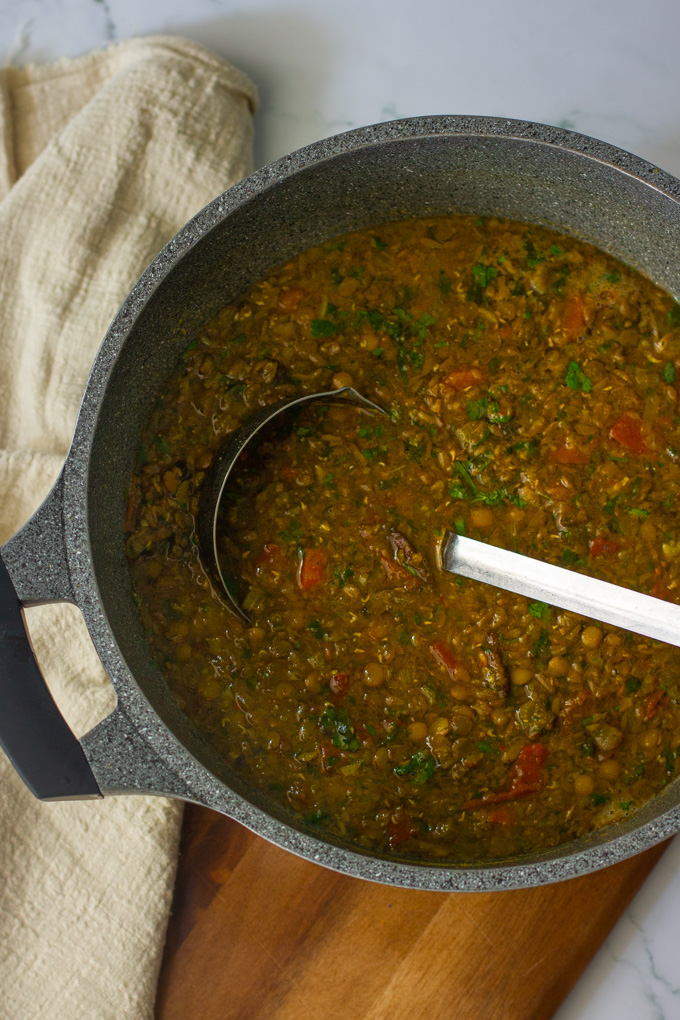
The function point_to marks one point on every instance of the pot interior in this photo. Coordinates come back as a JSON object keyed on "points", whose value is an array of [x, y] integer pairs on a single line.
{"points": [[322, 192]]}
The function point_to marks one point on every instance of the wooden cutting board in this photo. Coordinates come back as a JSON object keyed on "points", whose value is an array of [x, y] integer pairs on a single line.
{"points": [[257, 933]]}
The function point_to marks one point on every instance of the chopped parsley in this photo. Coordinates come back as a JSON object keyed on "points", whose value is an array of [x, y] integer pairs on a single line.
{"points": [[541, 648], [486, 408], [322, 328], [576, 379], [419, 769], [315, 817], [336, 722], [482, 276]]}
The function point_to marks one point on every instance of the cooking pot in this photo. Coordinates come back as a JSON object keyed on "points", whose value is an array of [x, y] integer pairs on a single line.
{"points": [[72, 549]]}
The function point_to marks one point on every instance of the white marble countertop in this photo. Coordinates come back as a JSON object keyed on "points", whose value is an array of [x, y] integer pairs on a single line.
{"points": [[608, 68]]}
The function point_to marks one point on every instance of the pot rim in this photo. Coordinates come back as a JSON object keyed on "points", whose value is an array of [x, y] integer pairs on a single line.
{"points": [[195, 781]]}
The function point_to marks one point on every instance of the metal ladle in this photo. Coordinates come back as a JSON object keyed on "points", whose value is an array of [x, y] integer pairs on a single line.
{"points": [[511, 571], [215, 481]]}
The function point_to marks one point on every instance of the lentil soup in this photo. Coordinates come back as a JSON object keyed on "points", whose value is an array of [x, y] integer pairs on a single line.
{"points": [[529, 380]]}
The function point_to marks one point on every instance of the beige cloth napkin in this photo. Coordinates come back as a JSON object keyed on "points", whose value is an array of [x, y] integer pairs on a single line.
{"points": [[102, 159]]}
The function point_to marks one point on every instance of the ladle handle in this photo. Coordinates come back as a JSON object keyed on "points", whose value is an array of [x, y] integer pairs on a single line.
{"points": [[579, 593]]}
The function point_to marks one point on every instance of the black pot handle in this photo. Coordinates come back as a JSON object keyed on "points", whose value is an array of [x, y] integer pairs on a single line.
{"points": [[33, 732]]}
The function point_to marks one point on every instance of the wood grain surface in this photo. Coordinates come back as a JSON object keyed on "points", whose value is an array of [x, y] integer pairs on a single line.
{"points": [[258, 934]]}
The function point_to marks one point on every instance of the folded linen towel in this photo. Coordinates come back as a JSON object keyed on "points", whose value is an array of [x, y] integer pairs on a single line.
{"points": [[102, 159]]}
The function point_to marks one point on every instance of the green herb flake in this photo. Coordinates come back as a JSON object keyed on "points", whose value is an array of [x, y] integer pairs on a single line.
{"points": [[336, 722], [322, 328], [477, 409], [457, 491], [464, 472], [343, 576], [569, 558], [669, 372], [315, 817], [533, 258], [673, 314], [541, 648], [610, 505], [482, 276], [598, 799], [419, 769], [539, 609], [633, 685], [317, 630], [460, 525], [625, 805], [576, 378], [444, 282]]}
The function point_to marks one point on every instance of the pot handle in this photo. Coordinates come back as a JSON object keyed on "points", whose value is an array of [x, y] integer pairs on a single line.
{"points": [[33, 732]]}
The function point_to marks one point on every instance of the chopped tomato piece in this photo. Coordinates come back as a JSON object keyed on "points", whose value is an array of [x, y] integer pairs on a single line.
{"points": [[574, 316], [445, 656], [627, 430], [290, 299], [653, 703], [339, 684], [568, 455], [401, 830], [500, 816], [602, 546], [271, 554], [525, 777], [312, 569], [289, 473], [528, 765], [462, 378]]}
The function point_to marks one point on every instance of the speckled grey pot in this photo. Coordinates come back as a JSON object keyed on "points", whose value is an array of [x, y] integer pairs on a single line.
{"points": [[73, 548]]}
